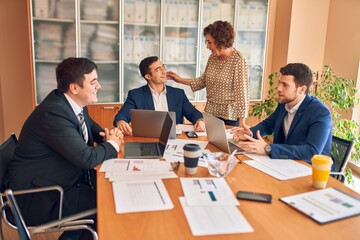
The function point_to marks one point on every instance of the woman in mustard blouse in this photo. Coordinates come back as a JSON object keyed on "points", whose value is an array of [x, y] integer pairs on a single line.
{"points": [[226, 76]]}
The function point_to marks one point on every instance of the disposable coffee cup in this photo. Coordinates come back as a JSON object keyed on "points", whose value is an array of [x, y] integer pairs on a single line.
{"points": [[191, 158], [321, 166]]}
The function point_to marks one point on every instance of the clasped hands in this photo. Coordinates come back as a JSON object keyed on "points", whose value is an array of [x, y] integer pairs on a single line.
{"points": [[113, 134], [244, 138]]}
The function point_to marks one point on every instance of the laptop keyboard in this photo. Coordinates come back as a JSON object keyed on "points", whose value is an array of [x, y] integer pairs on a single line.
{"points": [[149, 149], [234, 147]]}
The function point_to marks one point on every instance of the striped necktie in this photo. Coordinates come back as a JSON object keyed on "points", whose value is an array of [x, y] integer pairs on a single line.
{"points": [[83, 126]]}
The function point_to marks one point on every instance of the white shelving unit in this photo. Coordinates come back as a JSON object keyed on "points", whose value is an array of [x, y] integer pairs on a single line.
{"points": [[118, 34]]}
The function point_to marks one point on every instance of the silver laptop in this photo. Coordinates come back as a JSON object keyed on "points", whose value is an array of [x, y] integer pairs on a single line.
{"points": [[149, 123], [150, 149], [216, 133]]}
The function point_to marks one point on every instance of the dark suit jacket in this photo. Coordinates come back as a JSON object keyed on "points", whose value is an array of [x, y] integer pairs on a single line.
{"points": [[141, 98], [51, 151], [309, 133]]}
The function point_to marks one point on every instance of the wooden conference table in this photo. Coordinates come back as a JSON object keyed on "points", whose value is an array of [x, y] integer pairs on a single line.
{"points": [[269, 221]]}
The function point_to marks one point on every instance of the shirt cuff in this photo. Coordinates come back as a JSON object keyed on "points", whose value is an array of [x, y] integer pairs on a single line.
{"points": [[114, 144]]}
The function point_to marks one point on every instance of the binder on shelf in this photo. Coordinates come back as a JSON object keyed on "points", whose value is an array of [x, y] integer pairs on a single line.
{"points": [[129, 15], [226, 12], [243, 15], [140, 13], [152, 11], [182, 12], [172, 12], [326, 205], [41, 8], [192, 12]]}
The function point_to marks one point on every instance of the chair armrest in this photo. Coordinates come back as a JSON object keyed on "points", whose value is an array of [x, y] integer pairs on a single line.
{"points": [[61, 224], [32, 191], [338, 175], [78, 222], [45, 189]]}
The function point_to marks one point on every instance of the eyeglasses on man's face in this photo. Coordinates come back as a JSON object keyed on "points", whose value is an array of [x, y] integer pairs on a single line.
{"points": [[159, 69]]}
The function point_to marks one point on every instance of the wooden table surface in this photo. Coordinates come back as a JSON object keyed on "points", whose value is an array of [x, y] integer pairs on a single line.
{"points": [[269, 221]]}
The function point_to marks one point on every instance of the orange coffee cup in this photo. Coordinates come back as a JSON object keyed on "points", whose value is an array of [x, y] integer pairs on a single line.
{"points": [[321, 166]]}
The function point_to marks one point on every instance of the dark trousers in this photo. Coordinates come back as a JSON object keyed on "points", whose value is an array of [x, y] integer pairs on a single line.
{"points": [[85, 200]]}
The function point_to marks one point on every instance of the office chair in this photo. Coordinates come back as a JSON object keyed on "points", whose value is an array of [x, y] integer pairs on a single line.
{"points": [[340, 153], [64, 224], [7, 149]]}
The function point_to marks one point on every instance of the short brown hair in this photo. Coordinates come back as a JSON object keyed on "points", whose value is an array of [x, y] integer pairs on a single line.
{"points": [[222, 32], [72, 70]]}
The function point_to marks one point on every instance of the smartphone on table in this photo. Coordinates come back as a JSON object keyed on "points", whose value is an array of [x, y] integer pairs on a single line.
{"points": [[191, 134], [253, 196]]}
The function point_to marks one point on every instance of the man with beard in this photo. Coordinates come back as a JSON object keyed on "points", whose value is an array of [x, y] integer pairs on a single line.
{"points": [[301, 124]]}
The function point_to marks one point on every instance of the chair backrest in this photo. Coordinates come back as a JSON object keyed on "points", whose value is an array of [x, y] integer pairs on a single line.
{"points": [[18, 219], [340, 152], [7, 149]]}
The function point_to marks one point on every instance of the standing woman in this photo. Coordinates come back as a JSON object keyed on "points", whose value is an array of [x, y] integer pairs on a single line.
{"points": [[226, 76]]}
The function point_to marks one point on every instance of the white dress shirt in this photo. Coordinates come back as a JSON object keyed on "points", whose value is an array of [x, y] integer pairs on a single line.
{"points": [[290, 116], [160, 100]]}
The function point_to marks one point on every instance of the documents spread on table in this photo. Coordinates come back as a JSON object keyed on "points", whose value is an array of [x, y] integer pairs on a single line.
{"points": [[174, 150], [141, 196], [210, 207], [281, 169], [137, 184], [325, 205], [135, 169]]}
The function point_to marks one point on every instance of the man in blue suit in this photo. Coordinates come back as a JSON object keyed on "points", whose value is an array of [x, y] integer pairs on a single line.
{"points": [[157, 96], [301, 124]]}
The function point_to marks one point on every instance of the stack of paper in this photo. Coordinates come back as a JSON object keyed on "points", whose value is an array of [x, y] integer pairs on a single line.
{"points": [[137, 184], [281, 169], [210, 207], [136, 169]]}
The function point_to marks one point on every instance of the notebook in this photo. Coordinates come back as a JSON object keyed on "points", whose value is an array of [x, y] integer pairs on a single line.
{"points": [[216, 133], [149, 123], [150, 149]]}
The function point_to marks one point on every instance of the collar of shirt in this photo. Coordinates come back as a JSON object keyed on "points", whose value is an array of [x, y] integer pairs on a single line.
{"points": [[76, 108], [295, 108], [159, 99]]}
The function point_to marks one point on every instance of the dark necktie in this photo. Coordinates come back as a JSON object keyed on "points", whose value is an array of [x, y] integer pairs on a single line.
{"points": [[83, 127], [86, 138]]}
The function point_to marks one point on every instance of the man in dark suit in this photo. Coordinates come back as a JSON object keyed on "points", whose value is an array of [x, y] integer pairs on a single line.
{"points": [[55, 148], [157, 96], [301, 124]]}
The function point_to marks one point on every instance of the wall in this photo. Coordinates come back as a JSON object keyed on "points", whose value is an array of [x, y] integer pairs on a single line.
{"points": [[16, 100], [342, 49]]}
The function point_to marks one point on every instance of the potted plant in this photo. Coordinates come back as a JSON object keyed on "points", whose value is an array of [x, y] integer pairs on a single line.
{"points": [[337, 92]]}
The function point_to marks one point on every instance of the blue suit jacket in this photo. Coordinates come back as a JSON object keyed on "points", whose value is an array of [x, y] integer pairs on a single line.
{"points": [[141, 98], [309, 133]]}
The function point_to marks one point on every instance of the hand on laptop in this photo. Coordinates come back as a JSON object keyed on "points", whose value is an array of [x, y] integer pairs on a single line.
{"points": [[199, 125], [124, 127]]}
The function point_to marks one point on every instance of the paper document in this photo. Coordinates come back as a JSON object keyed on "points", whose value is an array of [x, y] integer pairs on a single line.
{"points": [[207, 191], [174, 150], [141, 196], [325, 205], [210, 220], [135, 166], [281, 169]]}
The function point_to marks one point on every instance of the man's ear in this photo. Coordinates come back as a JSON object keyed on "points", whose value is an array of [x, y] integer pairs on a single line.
{"points": [[73, 88], [303, 89], [147, 76]]}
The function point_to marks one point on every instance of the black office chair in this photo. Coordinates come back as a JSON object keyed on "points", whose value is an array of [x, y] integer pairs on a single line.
{"points": [[25, 233], [7, 149], [340, 153]]}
